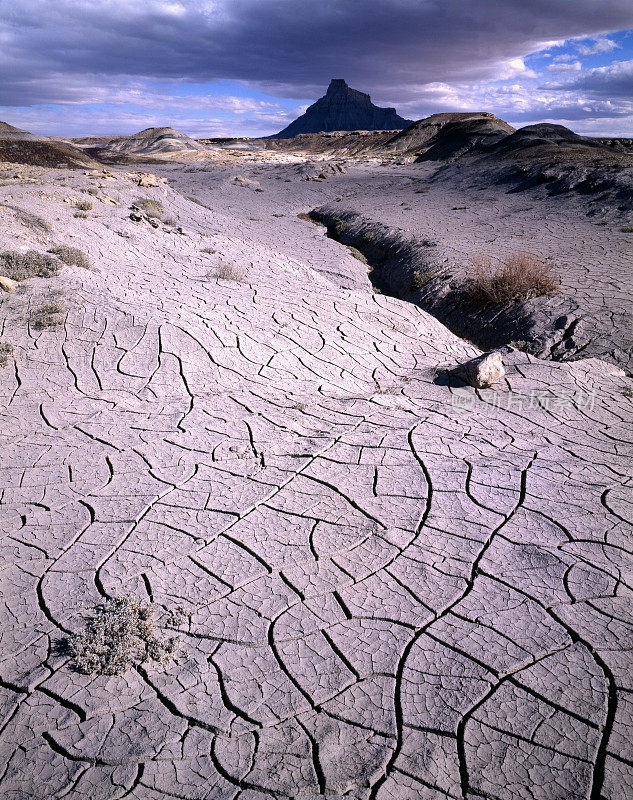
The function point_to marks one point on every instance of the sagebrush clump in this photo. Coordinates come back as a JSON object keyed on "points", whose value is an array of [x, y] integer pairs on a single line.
{"points": [[519, 276], [121, 634], [71, 256], [83, 205], [22, 266]]}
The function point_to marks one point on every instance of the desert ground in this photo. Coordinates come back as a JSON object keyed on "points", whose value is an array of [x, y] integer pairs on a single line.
{"points": [[358, 576]]}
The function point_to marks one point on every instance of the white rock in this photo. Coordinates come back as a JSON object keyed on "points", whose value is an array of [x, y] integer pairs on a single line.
{"points": [[6, 284], [483, 371]]}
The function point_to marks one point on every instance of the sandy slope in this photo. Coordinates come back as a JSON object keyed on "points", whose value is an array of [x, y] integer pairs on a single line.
{"points": [[391, 587]]}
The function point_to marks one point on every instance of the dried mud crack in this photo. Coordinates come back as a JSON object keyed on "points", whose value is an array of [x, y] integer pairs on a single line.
{"points": [[389, 586]]}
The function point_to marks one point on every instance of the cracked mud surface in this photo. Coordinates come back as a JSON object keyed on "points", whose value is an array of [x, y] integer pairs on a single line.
{"points": [[392, 587]]}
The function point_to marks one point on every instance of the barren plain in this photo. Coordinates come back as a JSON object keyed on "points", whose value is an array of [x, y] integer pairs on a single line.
{"points": [[381, 583]]}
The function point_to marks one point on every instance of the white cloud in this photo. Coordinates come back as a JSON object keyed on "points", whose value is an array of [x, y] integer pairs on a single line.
{"points": [[572, 66], [601, 44]]}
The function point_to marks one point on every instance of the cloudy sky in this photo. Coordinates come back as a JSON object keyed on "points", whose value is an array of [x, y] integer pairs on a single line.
{"points": [[248, 67]]}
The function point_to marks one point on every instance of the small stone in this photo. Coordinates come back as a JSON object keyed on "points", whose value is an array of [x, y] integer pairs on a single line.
{"points": [[148, 180], [483, 371]]}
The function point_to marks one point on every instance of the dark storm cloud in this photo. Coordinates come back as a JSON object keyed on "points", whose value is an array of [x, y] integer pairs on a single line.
{"points": [[68, 50]]}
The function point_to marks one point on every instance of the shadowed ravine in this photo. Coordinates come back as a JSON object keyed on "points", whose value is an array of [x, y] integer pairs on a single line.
{"points": [[555, 326]]}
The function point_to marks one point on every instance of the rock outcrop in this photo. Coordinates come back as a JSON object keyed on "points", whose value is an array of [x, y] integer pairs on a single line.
{"points": [[344, 109]]}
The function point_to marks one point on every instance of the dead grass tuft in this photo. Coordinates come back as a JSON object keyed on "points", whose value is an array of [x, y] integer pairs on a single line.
{"points": [[518, 277], [22, 266], [356, 253], [121, 634], [307, 218]]}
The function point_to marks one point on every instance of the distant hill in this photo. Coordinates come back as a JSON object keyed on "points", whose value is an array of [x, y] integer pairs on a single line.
{"points": [[343, 109], [439, 128], [9, 132], [154, 141], [21, 147]]}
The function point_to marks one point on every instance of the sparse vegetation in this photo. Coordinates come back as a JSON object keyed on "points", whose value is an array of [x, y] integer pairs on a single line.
{"points": [[71, 256], [31, 221], [230, 272], [32, 264], [50, 315], [518, 277], [420, 279], [83, 205], [198, 202], [80, 215], [380, 389], [307, 218], [628, 392], [154, 208], [356, 253], [6, 351], [627, 229], [121, 634], [209, 250]]}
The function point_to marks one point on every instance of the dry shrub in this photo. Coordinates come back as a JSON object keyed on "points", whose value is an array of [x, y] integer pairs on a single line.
{"points": [[230, 272], [71, 256], [50, 315], [22, 266], [83, 205], [419, 279], [80, 215], [121, 634], [6, 351], [518, 277]]}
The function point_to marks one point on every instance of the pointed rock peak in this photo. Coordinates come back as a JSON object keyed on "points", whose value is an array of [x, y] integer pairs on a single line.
{"points": [[337, 85]]}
